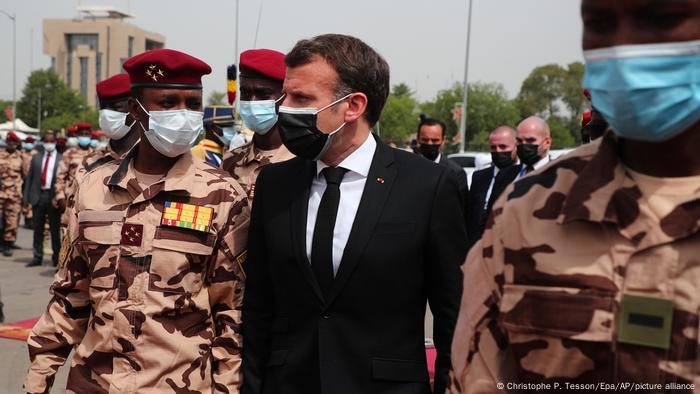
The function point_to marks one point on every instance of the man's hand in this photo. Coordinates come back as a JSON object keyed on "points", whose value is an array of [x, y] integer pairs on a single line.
{"points": [[60, 204]]}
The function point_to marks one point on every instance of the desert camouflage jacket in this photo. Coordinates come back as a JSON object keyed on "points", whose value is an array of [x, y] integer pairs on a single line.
{"points": [[67, 168], [543, 288], [11, 174], [245, 162], [149, 295]]}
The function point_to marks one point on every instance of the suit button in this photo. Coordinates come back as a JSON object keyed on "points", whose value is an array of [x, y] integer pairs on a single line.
{"points": [[326, 317]]}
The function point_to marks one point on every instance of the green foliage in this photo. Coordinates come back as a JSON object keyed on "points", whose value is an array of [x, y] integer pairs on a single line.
{"points": [[399, 118], [488, 107], [216, 98], [4, 104], [58, 101], [554, 93], [560, 131]]}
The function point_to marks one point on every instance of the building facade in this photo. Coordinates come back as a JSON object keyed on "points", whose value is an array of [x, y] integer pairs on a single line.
{"points": [[93, 46]]}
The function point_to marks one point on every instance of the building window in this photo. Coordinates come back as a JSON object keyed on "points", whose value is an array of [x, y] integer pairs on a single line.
{"points": [[121, 63], [84, 76], [151, 45], [72, 43], [130, 50]]}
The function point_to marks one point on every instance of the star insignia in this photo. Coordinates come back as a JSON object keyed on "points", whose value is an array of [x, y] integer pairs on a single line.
{"points": [[149, 73], [152, 66], [155, 77], [160, 72]]}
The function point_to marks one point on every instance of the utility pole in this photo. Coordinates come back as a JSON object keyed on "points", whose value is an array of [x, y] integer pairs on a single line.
{"points": [[38, 112], [463, 118], [13, 17]]}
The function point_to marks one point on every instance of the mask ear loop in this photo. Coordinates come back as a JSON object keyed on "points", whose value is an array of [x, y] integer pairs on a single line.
{"points": [[334, 103]]}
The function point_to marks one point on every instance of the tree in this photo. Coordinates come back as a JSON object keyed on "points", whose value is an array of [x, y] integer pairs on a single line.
{"points": [[399, 117], [488, 107], [555, 94], [216, 98], [57, 99], [4, 104]]}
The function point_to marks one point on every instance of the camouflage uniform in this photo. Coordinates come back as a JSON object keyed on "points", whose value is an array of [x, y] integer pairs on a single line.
{"points": [[11, 175], [27, 159], [245, 162], [147, 307], [543, 289], [67, 169]]}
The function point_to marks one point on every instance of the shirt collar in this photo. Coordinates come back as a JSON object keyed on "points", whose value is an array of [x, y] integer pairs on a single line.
{"points": [[603, 191], [437, 159], [359, 161], [180, 177]]}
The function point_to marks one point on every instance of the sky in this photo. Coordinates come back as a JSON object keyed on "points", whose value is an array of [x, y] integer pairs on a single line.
{"points": [[423, 41]]}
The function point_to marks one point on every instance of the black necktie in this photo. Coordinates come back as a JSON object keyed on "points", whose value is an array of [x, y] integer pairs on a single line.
{"points": [[322, 244]]}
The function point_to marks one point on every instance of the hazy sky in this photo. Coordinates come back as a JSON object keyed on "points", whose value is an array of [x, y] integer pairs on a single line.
{"points": [[423, 41]]}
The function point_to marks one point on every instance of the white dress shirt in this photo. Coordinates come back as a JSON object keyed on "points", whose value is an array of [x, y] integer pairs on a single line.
{"points": [[490, 189], [543, 162], [49, 171], [351, 189]]}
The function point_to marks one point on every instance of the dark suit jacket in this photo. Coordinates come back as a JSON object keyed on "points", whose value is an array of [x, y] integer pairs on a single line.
{"points": [[461, 178], [406, 246], [32, 183], [476, 214]]}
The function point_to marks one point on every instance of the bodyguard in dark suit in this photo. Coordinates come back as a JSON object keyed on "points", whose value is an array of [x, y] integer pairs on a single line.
{"points": [[431, 139], [347, 241], [39, 191], [485, 189]]}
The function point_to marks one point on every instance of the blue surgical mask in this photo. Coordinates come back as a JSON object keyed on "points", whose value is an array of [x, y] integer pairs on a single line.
{"points": [[260, 116], [93, 143], [84, 141], [227, 134], [28, 146], [648, 92]]}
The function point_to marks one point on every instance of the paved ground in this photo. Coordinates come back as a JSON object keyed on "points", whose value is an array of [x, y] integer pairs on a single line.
{"points": [[25, 295]]}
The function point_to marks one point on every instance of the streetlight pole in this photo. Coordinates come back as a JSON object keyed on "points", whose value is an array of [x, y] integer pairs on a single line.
{"points": [[38, 112], [13, 17], [463, 117]]}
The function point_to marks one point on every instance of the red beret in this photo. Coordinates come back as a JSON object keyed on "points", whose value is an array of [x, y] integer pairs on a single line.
{"points": [[97, 134], [166, 68], [587, 94], [585, 118], [71, 130], [83, 126], [11, 136], [113, 87], [60, 141], [29, 139], [264, 63]]}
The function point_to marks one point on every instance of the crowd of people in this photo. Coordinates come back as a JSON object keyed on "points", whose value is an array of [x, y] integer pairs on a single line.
{"points": [[302, 260]]}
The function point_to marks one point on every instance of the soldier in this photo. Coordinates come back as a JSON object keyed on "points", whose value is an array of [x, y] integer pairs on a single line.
{"points": [[262, 75], [149, 295], [67, 168], [588, 270], [61, 145], [218, 131], [11, 175]]}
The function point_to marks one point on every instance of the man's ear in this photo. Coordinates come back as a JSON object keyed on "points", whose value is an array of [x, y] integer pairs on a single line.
{"points": [[134, 109], [357, 106]]}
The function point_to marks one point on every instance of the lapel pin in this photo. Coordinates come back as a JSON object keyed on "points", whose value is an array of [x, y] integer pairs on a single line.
{"points": [[380, 180]]}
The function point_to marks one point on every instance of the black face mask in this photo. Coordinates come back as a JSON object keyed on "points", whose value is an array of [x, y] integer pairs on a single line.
{"points": [[297, 128], [528, 154], [429, 151], [502, 159]]}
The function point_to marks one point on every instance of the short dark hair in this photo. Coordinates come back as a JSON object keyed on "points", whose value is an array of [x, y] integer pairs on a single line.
{"points": [[431, 122], [360, 68]]}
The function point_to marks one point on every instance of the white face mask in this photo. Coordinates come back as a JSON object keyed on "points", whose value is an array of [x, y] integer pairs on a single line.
{"points": [[113, 123], [49, 146], [173, 132]]}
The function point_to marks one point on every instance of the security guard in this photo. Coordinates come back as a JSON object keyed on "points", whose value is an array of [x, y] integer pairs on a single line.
{"points": [[149, 294], [11, 175], [587, 275], [262, 74]]}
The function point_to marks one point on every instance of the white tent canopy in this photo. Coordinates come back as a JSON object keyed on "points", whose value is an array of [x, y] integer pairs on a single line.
{"points": [[20, 126]]}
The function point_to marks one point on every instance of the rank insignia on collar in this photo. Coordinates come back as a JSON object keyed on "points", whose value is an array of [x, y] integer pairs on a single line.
{"points": [[132, 234], [189, 216]]}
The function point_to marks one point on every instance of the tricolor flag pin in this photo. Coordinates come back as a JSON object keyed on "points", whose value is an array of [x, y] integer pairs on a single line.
{"points": [[380, 180]]}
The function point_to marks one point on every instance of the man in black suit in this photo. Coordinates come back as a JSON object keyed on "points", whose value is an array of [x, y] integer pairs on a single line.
{"points": [[431, 139], [39, 191], [347, 241], [483, 188]]}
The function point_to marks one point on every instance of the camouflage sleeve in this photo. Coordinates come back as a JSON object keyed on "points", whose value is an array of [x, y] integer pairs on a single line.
{"points": [[479, 348], [61, 179], [226, 283], [65, 320]]}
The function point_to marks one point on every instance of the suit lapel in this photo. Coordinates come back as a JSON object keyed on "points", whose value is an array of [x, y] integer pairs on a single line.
{"points": [[299, 211], [377, 189]]}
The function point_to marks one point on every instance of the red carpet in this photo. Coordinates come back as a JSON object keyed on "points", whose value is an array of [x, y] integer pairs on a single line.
{"points": [[19, 330]]}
